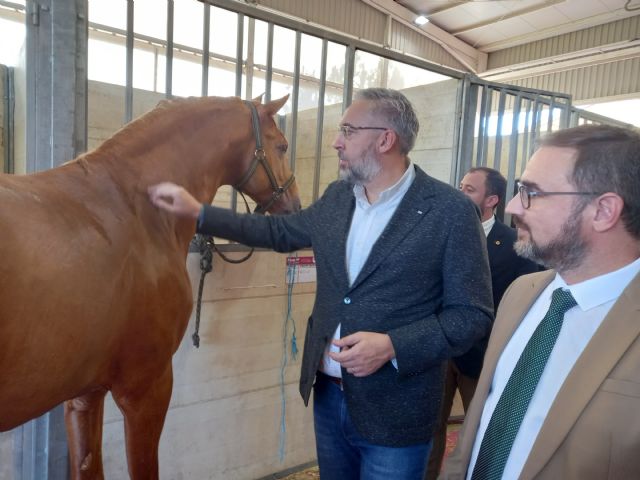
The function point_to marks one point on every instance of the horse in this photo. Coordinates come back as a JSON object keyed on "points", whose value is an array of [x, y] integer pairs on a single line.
{"points": [[94, 291]]}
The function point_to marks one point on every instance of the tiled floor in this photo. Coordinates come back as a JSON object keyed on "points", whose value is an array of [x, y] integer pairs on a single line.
{"points": [[312, 472]]}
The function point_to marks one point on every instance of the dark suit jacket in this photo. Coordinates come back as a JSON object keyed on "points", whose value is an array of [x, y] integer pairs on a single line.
{"points": [[505, 266], [425, 284]]}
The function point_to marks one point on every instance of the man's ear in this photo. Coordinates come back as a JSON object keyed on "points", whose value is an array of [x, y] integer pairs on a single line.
{"points": [[608, 210], [387, 140], [491, 201]]}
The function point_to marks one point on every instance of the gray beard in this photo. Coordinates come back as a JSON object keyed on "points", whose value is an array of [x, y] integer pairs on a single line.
{"points": [[364, 171]]}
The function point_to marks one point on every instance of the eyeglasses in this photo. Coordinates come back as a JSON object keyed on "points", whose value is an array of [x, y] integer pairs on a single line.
{"points": [[526, 194], [347, 130]]}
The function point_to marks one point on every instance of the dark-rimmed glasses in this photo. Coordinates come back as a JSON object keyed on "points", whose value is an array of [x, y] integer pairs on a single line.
{"points": [[347, 130], [526, 194]]}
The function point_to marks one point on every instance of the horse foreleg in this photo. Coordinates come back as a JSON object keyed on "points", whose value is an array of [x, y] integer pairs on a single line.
{"points": [[144, 407], [83, 418]]}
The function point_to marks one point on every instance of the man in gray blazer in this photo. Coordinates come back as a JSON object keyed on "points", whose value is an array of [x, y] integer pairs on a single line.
{"points": [[559, 393], [403, 284]]}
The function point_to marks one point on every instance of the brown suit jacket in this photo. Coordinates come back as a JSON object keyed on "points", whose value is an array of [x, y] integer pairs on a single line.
{"points": [[592, 430]]}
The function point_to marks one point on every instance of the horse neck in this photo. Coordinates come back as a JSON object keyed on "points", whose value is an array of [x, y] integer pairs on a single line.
{"points": [[194, 148]]}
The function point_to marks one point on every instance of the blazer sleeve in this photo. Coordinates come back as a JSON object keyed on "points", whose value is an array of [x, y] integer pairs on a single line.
{"points": [[282, 233]]}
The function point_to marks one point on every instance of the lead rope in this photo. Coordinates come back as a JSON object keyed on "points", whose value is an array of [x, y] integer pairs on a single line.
{"points": [[291, 277], [205, 245]]}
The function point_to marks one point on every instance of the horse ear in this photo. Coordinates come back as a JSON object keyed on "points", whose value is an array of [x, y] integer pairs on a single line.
{"points": [[272, 107], [258, 99]]}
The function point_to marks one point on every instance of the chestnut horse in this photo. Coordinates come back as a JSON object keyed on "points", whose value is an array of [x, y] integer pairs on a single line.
{"points": [[94, 291]]}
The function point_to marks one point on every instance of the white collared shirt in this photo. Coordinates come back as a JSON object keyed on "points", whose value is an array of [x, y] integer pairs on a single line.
{"points": [[487, 225], [594, 298], [368, 222]]}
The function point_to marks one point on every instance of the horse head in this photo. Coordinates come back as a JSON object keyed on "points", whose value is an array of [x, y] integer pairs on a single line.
{"points": [[267, 178]]}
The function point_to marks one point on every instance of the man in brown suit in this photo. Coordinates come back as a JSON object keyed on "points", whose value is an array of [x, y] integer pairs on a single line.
{"points": [[559, 394]]}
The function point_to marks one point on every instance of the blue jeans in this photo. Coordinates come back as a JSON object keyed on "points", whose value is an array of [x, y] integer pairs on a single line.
{"points": [[343, 454]]}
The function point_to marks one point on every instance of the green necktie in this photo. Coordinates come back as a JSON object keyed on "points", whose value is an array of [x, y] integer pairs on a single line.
{"points": [[514, 401]]}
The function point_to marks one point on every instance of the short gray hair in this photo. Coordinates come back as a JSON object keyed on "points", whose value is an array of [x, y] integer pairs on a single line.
{"points": [[397, 110]]}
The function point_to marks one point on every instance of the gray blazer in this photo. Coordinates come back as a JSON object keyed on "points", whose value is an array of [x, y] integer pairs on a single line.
{"points": [[426, 283]]}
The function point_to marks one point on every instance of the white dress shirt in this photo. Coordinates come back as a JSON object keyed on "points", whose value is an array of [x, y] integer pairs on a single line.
{"points": [[368, 222], [487, 225], [594, 298]]}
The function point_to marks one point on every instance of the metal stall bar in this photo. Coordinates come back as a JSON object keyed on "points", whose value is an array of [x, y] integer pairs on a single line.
{"points": [[249, 64], [128, 89], [169, 71], [320, 120], [269, 73], [485, 114], [294, 101], [513, 157], [206, 35], [239, 48], [9, 121], [552, 106], [497, 153], [535, 125], [349, 66], [525, 137], [468, 110]]}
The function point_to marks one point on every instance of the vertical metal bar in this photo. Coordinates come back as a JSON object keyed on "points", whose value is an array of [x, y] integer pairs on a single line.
{"points": [[485, 132], [535, 124], [565, 116], [497, 155], [525, 138], [239, 59], [9, 121], [269, 73], [206, 35], [513, 157], [320, 120], [469, 110], [128, 95], [295, 94], [482, 120], [349, 65], [552, 107], [238, 92], [251, 30], [169, 71]]}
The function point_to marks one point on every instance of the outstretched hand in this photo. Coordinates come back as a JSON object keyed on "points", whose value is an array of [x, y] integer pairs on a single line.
{"points": [[363, 353], [175, 199]]}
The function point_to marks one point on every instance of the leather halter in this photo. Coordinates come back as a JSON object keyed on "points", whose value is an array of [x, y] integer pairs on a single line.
{"points": [[260, 158]]}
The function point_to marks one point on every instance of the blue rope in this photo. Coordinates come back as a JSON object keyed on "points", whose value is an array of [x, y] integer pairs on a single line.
{"points": [[291, 275]]}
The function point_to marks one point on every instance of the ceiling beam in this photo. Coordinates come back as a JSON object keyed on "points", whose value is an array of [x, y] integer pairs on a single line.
{"points": [[472, 58], [568, 61]]}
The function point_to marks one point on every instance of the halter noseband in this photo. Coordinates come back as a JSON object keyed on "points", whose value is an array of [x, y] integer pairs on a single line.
{"points": [[260, 157]]}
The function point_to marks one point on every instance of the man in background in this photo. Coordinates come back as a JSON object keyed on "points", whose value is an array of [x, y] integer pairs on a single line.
{"points": [[559, 393], [486, 187]]}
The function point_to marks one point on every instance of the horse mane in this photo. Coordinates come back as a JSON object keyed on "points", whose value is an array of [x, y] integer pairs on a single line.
{"points": [[161, 121]]}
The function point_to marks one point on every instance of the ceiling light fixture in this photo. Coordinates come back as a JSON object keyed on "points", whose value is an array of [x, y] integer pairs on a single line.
{"points": [[421, 20]]}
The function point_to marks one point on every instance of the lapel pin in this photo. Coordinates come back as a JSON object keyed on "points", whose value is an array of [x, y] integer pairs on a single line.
{"points": [[419, 212], [497, 242]]}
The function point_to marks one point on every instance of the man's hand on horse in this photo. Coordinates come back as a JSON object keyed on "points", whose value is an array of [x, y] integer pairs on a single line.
{"points": [[362, 353], [174, 199]]}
